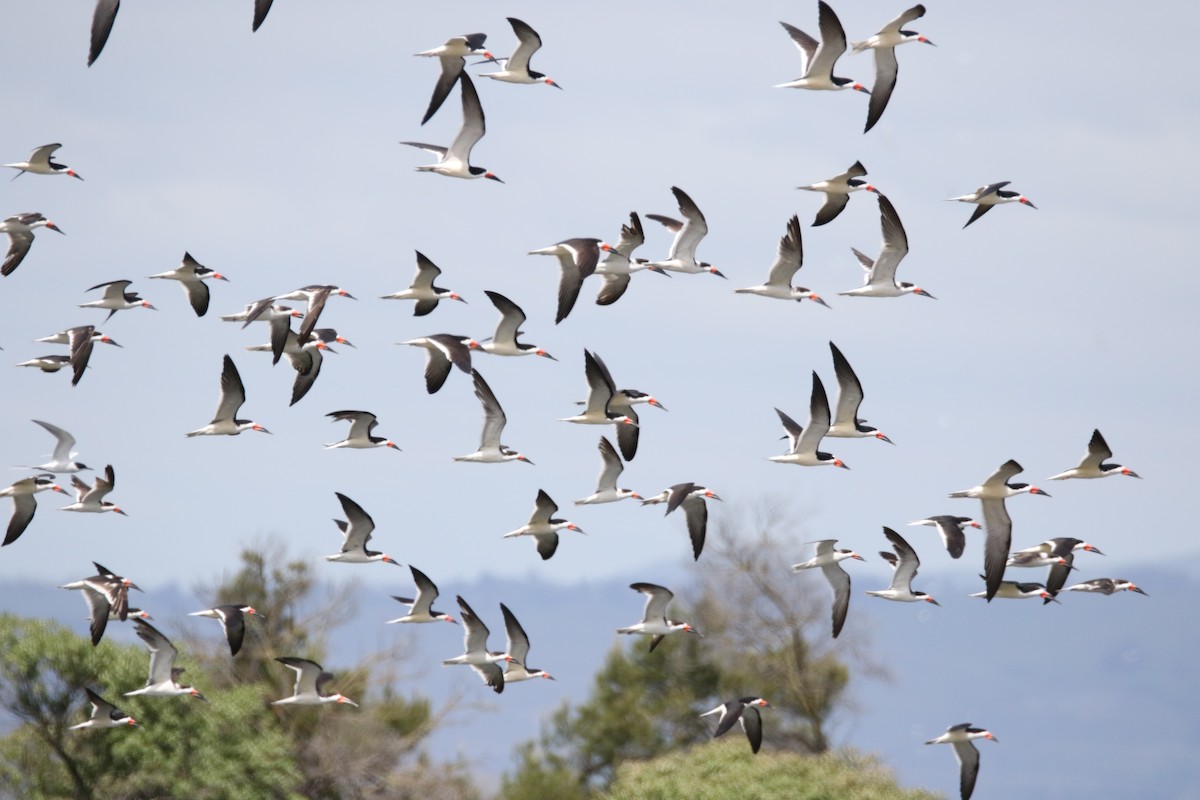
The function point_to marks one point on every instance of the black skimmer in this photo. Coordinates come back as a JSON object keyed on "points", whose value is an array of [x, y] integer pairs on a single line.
{"points": [[41, 163], [695, 509], [654, 618], [104, 714], [305, 355], [952, 531], [518, 648], [265, 314], [837, 192], [116, 298], [997, 524], [619, 264], [846, 424], [819, 58], [314, 295], [542, 527], [803, 442], [682, 256], [361, 425], [233, 395], [601, 389], [65, 337], [1058, 554], [311, 678], [490, 451], [50, 363], [232, 617], [516, 67], [1061, 544], [90, 499], [63, 459], [356, 532], [191, 274], [827, 558], [993, 194], [164, 676], [904, 568], [880, 279], [968, 757], [106, 13], [24, 505], [442, 351], [621, 404], [884, 44], [508, 330], [484, 662], [81, 339], [107, 597], [577, 259], [745, 711], [422, 289], [452, 57], [455, 161], [1020, 590], [420, 609], [606, 484], [1105, 586], [19, 228], [1092, 464], [788, 260]]}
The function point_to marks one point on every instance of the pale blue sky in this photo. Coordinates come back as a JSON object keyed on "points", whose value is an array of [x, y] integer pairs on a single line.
{"points": [[274, 158]]}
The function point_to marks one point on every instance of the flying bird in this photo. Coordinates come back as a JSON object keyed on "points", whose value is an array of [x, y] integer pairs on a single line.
{"points": [[24, 504], [904, 568], [191, 274], [884, 45], [655, 623], [504, 341], [695, 510], [543, 527], [104, 714], [803, 442], [19, 228], [952, 530], [997, 523], [452, 57], [837, 192], [968, 757], [516, 67], [232, 617], [164, 675], [106, 13], [994, 194], [359, 437], [619, 264], [311, 678], [420, 609], [827, 558], [789, 259], [518, 648], [818, 58], [846, 423], [881, 272], [90, 499], [116, 298], [63, 459], [682, 256], [356, 532], [455, 161], [107, 598], [233, 395], [1092, 464], [41, 163], [484, 662], [422, 289], [1105, 586], [745, 711], [442, 351], [491, 450], [600, 393], [606, 484], [577, 259]]}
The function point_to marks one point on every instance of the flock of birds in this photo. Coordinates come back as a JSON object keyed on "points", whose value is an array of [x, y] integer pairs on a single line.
{"points": [[107, 594]]}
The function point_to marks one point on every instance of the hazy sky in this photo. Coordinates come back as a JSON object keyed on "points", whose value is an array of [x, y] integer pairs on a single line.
{"points": [[274, 158]]}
